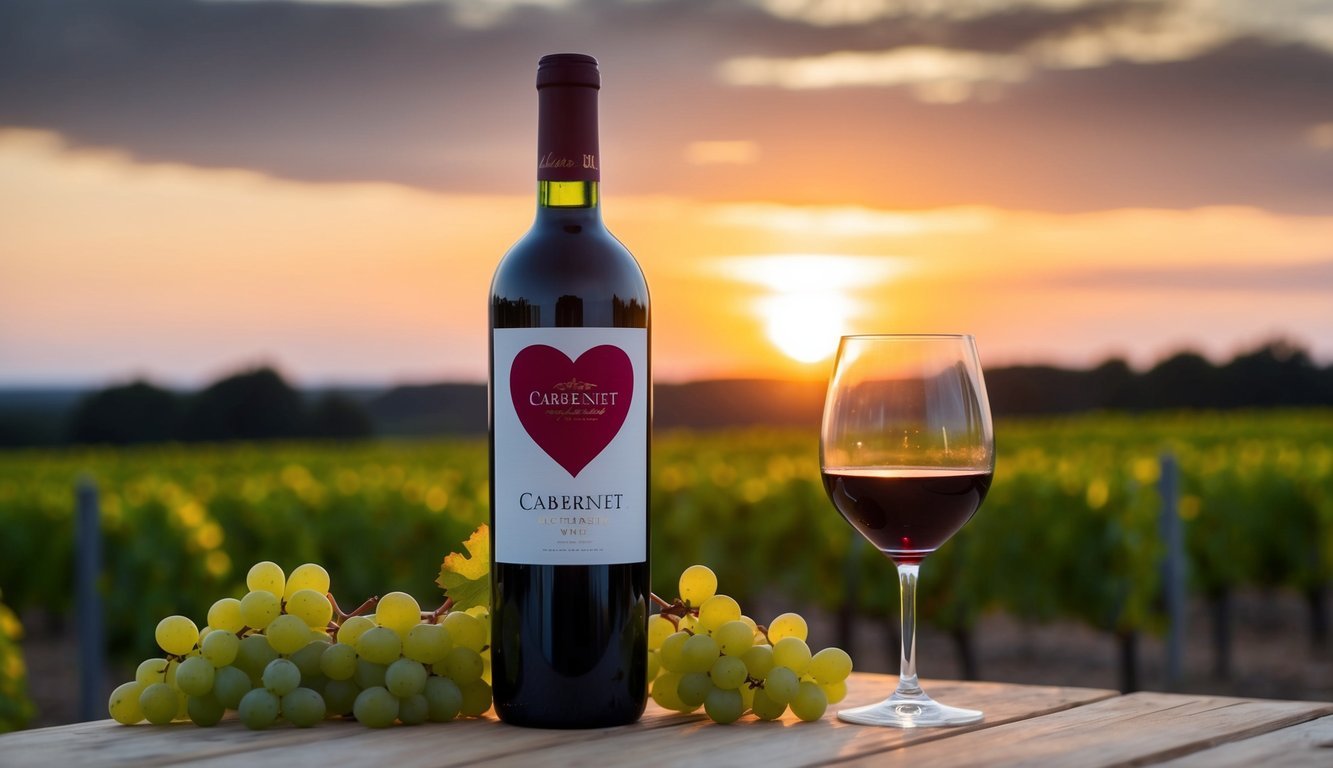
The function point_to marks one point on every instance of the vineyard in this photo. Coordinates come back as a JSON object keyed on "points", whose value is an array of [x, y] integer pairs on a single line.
{"points": [[1069, 531]]}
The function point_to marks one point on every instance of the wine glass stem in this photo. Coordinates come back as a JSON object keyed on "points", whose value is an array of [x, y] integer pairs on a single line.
{"points": [[907, 682]]}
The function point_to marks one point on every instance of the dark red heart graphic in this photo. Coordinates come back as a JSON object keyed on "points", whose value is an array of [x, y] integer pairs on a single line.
{"points": [[572, 409]]}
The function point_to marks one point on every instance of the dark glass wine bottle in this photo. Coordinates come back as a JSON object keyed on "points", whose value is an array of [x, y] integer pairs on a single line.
{"points": [[570, 423]]}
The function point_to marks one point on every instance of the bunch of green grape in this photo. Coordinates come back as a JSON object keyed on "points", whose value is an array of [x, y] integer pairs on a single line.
{"points": [[703, 652], [281, 653]]}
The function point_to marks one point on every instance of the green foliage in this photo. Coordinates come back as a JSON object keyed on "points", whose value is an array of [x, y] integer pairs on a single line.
{"points": [[15, 706], [1070, 528]]}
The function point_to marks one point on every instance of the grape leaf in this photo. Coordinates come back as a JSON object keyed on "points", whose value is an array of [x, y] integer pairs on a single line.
{"points": [[466, 578]]}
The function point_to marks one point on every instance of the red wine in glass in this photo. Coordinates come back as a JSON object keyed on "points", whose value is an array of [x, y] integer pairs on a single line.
{"points": [[907, 512], [907, 452]]}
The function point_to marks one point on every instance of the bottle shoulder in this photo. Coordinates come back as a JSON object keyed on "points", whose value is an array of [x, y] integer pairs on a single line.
{"points": [[568, 255]]}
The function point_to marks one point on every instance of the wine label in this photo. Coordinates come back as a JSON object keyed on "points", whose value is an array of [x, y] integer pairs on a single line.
{"points": [[571, 445]]}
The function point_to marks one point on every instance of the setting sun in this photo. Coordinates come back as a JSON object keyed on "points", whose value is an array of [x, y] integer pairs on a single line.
{"points": [[811, 298]]}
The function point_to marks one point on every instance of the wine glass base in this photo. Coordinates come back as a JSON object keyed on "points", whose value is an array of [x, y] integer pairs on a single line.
{"points": [[900, 711]]}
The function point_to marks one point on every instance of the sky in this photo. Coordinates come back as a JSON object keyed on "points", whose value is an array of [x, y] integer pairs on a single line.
{"points": [[190, 187]]}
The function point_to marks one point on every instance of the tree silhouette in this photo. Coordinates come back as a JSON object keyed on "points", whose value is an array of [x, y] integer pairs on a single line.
{"points": [[254, 405], [133, 413]]}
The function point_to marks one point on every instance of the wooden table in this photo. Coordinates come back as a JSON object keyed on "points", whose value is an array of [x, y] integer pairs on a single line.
{"points": [[1024, 725]]}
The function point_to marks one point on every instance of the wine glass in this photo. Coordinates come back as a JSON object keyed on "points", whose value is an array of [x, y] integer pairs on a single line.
{"points": [[907, 451]]}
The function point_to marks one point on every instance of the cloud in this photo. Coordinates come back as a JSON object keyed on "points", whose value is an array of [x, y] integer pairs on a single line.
{"points": [[743, 152], [940, 75], [1051, 105], [1311, 277]]}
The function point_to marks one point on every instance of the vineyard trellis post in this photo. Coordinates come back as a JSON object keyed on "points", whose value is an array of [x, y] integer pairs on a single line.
{"points": [[88, 601], [1172, 532]]}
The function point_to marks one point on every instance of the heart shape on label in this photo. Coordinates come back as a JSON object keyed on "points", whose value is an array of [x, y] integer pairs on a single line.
{"points": [[572, 409]]}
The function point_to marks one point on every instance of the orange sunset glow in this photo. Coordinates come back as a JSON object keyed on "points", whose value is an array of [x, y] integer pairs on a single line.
{"points": [[1067, 188]]}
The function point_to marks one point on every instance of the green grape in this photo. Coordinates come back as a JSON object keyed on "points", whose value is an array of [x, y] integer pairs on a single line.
{"points": [[308, 660], [229, 685], [225, 615], [718, 610], [697, 584], [375, 707], [671, 652], [182, 706], [307, 576], [267, 577], [444, 699], [338, 662], [259, 608], [465, 630], [427, 643], [728, 673], [654, 665], [724, 706], [749, 622], [406, 678], [204, 711], [312, 607], [698, 653], [152, 671], [194, 677], [787, 625], [398, 611], [413, 710], [176, 635], [353, 628], [302, 707], [220, 648], [666, 692], [693, 688], [287, 634], [321, 636], [734, 638], [339, 696], [829, 666], [688, 623], [379, 645], [792, 653], [764, 707], [758, 661], [809, 702], [259, 709], [835, 692], [254, 654], [369, 675], [124, 703], [659, 629], [476, 698], [159, 703], [281, 677], [463, 665], [747, 697], [781, 684]]}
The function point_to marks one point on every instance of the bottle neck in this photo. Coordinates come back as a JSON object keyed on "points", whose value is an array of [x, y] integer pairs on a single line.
{"points": [[568, 195]]}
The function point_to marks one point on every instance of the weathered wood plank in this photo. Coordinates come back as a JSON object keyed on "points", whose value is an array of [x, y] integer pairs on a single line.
{"points": [[486, 740], [1305, 744], [1137, 729], [792, 743]]}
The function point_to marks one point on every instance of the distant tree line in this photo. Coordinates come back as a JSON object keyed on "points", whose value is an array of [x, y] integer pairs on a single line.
{"points": [[254, 405], [260, 405], [1276, 374]]}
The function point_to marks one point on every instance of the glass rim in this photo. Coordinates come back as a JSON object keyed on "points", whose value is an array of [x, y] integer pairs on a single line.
{"points": [[906, 336]]}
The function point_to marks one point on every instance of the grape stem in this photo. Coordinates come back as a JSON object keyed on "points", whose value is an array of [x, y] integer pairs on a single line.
{"points": [[360, 609], [434, 616]]}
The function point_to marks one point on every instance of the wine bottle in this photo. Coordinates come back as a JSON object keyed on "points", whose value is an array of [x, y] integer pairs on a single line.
{"points": [[570, 412]]}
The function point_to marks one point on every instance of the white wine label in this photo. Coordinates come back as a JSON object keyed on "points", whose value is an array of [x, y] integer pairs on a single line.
{"points": [[571, 445]]}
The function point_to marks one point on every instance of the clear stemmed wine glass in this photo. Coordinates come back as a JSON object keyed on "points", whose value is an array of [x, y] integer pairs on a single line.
{"points": [[907, 451]]}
